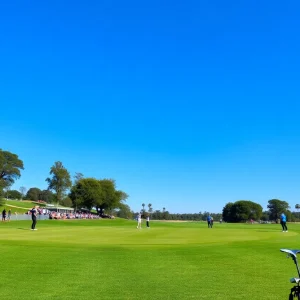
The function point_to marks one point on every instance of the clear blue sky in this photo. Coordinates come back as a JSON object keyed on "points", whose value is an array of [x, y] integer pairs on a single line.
{"points": [[187, 104]]}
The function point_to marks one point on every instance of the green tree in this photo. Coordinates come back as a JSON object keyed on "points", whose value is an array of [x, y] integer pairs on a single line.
{"points": [[276, 207], [76, 200], [87, 192], [101, 194], [157, 215], [60, 181], [290, 217], [47, 196], [241, 211], [166, 215], [33, 194], [22, 190], [296, 216], [124, 212], [67, 202], [78, 176], [112, 198], [14, 194], [205, 215], [227, 212], [265, 216], [150, 209], [244, 210], [10, 168], [6, 191]]}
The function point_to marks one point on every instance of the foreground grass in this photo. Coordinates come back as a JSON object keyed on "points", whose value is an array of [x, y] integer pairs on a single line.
{"points": [[111, 259]]}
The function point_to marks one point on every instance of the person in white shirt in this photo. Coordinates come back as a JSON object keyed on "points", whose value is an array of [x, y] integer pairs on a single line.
{"points": [[148, 222], [139, 219]]}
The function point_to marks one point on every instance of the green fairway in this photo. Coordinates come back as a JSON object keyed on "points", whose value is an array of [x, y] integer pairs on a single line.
{"points": [[111, 259], [24, 204], [19, 206]]}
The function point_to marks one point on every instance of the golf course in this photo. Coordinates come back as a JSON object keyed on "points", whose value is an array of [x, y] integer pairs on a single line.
{"points": [[112, 259]]}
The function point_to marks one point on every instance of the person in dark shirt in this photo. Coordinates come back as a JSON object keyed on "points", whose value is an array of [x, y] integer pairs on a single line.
{"points": [[4, 215], [34, 213]]}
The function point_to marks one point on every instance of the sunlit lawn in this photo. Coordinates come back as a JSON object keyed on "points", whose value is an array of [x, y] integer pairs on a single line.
{"points": [[18, 206], [111, 259]]}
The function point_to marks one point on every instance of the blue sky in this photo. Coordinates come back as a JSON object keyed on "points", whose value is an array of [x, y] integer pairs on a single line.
{"points": [[187, 104]]}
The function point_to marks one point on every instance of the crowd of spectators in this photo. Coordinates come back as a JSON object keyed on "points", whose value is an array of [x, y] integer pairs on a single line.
{"points": [[53, 215], [78, 215]]}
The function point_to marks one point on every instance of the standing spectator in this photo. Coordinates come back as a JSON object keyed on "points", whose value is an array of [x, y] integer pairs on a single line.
{"points": [[8, 215], [148, 222], [33, 217], [139, 220], [209, 221], [4, 215], [283, 222]]}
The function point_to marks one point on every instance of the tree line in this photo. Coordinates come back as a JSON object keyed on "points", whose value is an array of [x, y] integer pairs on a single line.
{"points": [[147, 210], [80, 193], [125, 212], [103, 195], [244, 210], [33, 194], [165, 215]]}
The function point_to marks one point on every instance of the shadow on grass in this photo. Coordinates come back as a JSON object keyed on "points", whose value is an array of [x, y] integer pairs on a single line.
{"points": [[24, 228]]}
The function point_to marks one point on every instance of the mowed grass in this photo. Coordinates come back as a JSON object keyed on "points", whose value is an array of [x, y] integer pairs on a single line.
{"points": [[111, 259], [19, 206]]}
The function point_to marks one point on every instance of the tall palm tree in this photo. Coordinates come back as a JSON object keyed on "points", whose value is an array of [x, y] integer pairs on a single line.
{"points": [[143, 206], [150, 208]]}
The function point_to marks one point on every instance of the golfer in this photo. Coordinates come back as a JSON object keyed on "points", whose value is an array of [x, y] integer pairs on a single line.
{"points": [[139, 219], [148, 222], [34, 213], [283, 222]]}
